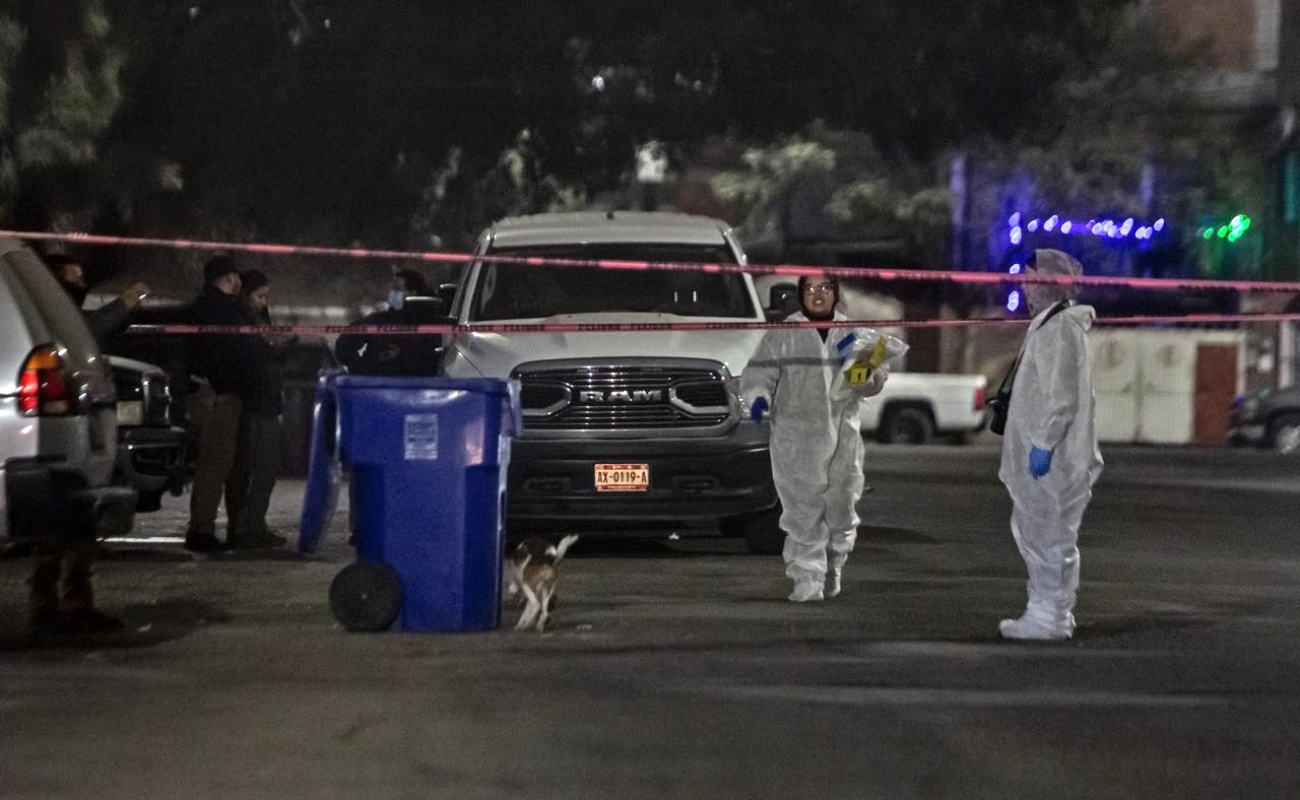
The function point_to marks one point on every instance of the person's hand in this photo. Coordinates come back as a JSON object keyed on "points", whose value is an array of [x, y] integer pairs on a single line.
{"points": [[757, 408], [1040, 462], [133, 295]]}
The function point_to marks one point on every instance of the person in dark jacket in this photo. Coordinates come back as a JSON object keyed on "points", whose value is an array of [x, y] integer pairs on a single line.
{"points": [[402, 354], [257, 455], [223, 368], [110, 318], [62, 594]]}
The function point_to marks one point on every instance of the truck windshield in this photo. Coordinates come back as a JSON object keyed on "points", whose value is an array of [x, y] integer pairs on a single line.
{"points": [[518, 291]]}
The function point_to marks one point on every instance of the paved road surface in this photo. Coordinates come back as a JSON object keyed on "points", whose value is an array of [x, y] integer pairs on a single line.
{"points": [[676, 670]]}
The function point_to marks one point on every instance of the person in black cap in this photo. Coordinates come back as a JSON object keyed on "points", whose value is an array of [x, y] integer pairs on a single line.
{"points": [[257, 453], [223, 368]]}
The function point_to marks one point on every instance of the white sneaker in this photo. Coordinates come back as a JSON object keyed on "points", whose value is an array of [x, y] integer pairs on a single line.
{"points": [[806, 592], [1029, 628]]}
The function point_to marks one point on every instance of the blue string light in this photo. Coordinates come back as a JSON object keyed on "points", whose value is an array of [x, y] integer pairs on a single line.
{"points": [[1129, 228]]}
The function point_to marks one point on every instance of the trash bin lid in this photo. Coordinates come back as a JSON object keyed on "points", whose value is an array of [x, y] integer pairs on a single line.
{"points": [[476, 385]]}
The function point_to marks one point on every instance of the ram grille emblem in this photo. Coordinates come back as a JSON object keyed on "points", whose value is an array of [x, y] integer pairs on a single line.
{"points": [[638, 396]]}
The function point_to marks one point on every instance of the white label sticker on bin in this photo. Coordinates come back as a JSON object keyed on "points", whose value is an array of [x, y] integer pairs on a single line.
{"points": [[421, 437]]}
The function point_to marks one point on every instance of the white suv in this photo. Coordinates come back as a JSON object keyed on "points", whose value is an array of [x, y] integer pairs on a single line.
{"points": [[638, 427], [58, 421]]}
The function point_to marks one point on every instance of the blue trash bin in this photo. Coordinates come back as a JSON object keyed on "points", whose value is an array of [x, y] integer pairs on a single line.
{"points": [[427, 461]]}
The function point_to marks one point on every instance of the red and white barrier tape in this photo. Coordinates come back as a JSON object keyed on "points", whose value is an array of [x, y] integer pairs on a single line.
{"points": [[874, 273], [647, 327]]}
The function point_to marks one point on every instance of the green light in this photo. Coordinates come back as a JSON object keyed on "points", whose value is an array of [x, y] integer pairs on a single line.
{"points": [[1232, 231]]}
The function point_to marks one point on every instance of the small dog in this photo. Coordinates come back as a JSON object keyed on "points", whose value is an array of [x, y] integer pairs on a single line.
{"points": [[532, 572]]}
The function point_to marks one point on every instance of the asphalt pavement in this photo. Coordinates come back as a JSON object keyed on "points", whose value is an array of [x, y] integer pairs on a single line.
{"points": [[675, 668]]}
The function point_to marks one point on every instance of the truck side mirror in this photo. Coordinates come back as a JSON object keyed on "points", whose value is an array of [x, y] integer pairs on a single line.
{"points": [[423, 311], [783, 300], [447, 294]]}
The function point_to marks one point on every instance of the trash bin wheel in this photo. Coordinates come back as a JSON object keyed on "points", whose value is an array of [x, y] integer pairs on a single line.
{"points": [[366, 596]]}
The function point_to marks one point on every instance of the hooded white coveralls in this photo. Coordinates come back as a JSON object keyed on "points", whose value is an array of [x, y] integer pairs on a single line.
{"points": [[816, 443], [1051, 408]]}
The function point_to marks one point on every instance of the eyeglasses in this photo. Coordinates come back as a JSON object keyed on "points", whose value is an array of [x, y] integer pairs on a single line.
{"points": [[815, 288]]}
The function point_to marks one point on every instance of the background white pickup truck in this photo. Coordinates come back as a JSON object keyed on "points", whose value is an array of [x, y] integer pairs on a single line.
{"points": [[915, 407]]}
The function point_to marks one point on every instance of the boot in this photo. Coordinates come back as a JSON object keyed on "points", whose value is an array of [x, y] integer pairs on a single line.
{"points": [[203, 542], [1042, 621], [807, 590], [79, 615], [835, 571]]}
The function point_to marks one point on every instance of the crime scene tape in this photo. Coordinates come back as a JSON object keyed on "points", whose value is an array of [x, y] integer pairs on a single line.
{"points": [[649, 327], [874, 273]]}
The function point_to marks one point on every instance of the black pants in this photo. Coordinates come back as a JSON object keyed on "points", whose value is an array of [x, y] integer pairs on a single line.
{"points": [[252, 480]]}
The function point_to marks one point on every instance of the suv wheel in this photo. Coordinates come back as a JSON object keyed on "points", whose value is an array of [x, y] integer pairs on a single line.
{"points": [[906, 425], [1284, 432]]}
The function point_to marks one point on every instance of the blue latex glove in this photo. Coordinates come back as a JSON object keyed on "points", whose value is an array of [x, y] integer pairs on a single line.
{"points": [[1040, 461], [757, 408]]}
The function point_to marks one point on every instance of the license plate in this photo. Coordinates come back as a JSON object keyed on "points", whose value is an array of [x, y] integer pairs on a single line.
{"points": [[130, 412], [622, 477]]}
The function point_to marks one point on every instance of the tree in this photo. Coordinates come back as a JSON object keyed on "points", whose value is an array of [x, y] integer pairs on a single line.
{"points": [[837, 185], [60, 88], [1127, 137]]}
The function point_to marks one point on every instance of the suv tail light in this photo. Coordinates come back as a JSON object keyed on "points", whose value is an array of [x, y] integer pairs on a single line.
{"points": [[45, 389], [979, 398]]}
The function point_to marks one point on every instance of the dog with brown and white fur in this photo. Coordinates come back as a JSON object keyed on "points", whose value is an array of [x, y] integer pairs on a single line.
{"points": [[533, 572]]}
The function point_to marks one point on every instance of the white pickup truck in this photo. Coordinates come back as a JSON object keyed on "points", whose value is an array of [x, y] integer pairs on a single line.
{"points": [[624, 427], [916, 407]]}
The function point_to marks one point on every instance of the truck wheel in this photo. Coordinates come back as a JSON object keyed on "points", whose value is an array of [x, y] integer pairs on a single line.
{"points": [[762, 531], [906, 425], [366, 596], [1284, 432]]}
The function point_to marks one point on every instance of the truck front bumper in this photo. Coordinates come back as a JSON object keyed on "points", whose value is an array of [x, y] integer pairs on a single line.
{"points": [[153, 459], [690, 480]]}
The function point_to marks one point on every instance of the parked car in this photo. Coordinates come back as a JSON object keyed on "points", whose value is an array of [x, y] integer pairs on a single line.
{"points": [[151, 445], [915, 407], [1267, 418], [58, 414]]}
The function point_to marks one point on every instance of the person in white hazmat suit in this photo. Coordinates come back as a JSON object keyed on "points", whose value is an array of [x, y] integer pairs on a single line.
{"points": [[816, 442], [1050, 458]]}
